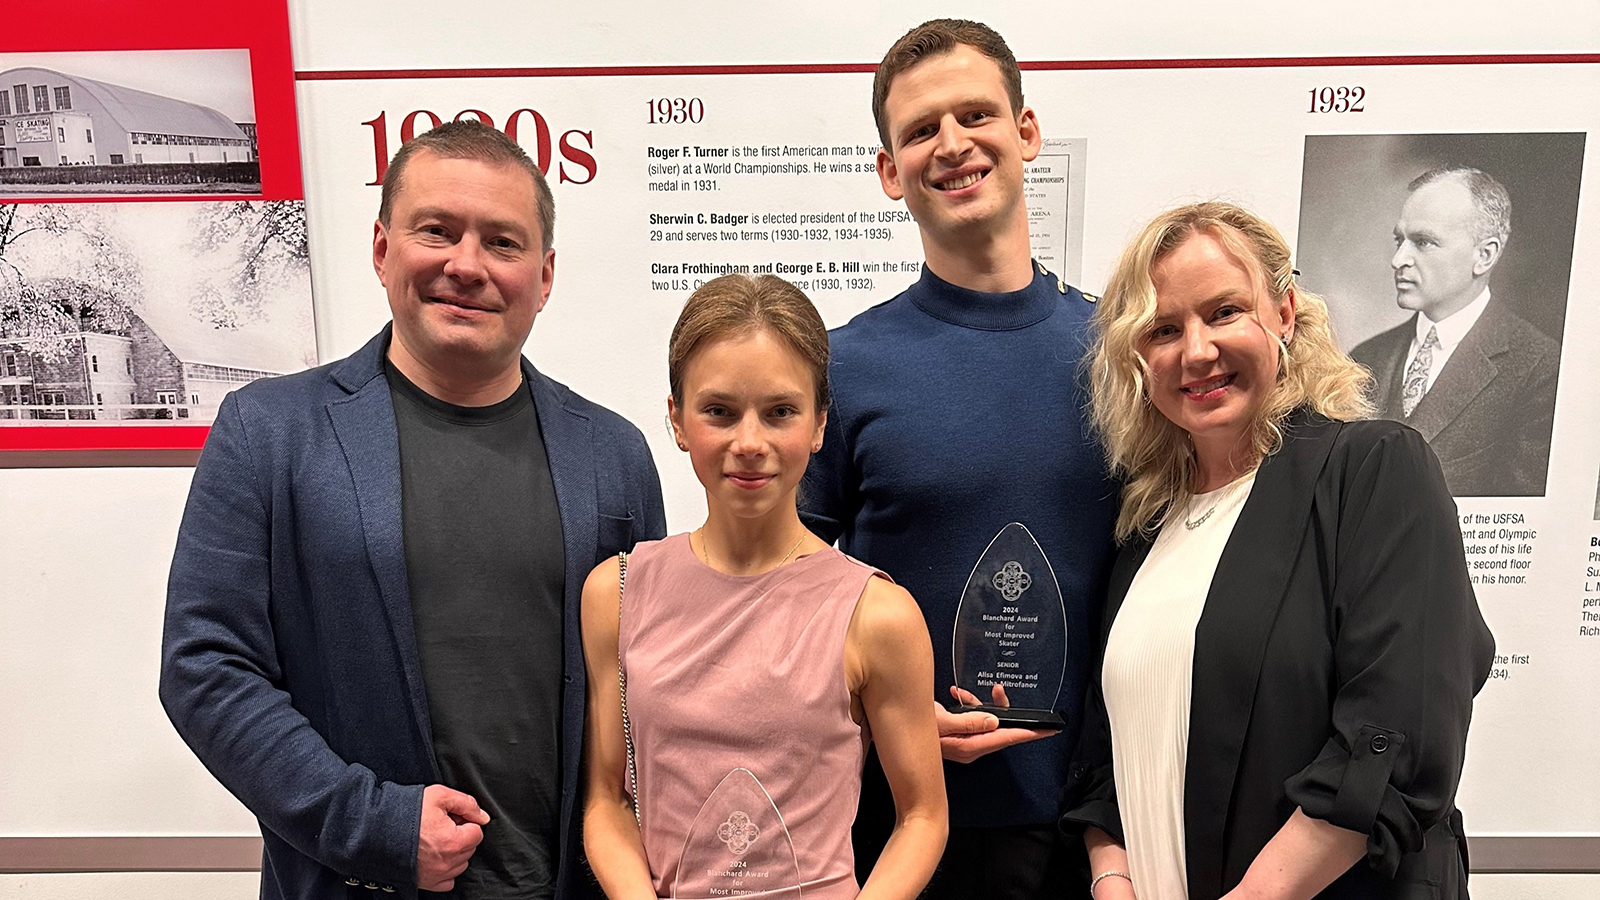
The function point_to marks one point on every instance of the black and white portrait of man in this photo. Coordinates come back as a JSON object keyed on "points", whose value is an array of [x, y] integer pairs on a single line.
{"points": [[1466, 347]]}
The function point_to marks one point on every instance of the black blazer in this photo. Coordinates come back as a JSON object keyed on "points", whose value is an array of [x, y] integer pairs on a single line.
{"points": [[1334, 669]]}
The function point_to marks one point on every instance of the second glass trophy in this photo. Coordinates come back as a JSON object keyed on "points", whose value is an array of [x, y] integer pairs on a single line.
{"points": [[738, 846], [1010, 642]]}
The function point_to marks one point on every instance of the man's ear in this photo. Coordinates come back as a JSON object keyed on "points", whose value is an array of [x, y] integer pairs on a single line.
{"points": [[889, 175], [380, 249], [549, 279], [1028, 129], [1487, 255]]}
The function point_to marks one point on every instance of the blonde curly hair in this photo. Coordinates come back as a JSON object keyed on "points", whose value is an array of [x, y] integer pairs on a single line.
{"points": [[1153, 457]]}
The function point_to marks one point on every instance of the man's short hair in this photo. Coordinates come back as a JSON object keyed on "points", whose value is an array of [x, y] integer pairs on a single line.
{"points": [[470, 139], [1491, 204], [937, 37]]}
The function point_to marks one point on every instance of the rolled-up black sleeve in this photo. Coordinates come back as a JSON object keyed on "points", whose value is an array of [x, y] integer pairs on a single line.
{"points": [[1410, 651], [1090, 795]]}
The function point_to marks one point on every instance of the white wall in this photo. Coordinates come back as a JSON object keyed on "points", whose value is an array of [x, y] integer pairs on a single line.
{"points": [[86, 749], [132, 886]]}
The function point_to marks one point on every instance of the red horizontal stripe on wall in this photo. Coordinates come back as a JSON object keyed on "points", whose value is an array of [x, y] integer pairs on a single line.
{"points": [[1264, 62], [102, 437]]}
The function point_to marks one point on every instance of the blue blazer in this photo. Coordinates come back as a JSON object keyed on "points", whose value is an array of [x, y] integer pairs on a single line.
{"points": [[288, 661]]}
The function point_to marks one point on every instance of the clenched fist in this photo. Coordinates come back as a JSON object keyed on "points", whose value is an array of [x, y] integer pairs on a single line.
{"points": [[452, 827]]}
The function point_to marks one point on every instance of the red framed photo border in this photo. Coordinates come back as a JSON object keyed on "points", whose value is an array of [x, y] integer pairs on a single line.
{"points": [[262, 28]]}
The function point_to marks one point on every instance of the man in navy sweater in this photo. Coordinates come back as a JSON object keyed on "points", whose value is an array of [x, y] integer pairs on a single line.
{"points": [[957, 410]]}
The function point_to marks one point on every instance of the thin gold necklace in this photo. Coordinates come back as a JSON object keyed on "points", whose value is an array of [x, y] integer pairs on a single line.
{"points": [[705, 549]]}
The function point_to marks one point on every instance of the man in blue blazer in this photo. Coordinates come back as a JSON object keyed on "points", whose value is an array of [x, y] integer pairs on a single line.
{"points": [[372, 616]]}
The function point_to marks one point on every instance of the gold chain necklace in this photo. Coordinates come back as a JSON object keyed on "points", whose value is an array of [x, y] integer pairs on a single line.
{"points": [[705, 549]]}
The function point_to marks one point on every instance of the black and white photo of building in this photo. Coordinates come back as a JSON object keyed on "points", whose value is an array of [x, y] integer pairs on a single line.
{"points": [[162, 364], [138, 312], [64, 131]]}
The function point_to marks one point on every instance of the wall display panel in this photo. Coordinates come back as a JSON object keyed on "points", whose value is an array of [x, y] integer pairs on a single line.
{"points": [[153, 249], [1139, 113], [665, 179]]}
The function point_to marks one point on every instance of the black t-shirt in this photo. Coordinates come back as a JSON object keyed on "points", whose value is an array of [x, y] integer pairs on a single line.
{"points": [[486, 567]]}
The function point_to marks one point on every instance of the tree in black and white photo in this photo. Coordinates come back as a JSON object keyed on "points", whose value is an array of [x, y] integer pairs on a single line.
{"points": [[62, 270], [257, 248]]}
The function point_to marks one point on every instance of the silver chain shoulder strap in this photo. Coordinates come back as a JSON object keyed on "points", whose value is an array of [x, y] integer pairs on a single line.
{"points": [[622, 684]]}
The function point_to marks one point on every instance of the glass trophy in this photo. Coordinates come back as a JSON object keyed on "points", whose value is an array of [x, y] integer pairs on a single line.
{"points": [[738, 846], [1010, 643]]}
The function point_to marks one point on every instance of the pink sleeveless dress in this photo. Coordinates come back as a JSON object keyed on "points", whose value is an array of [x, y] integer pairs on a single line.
{"points": [[729, 672]]}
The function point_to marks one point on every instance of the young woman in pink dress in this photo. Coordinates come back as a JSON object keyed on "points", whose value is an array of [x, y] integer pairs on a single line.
{"points": [[758, 660]]}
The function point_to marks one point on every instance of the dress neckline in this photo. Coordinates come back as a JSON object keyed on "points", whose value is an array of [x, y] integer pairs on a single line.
{"points": [[686, 547]]}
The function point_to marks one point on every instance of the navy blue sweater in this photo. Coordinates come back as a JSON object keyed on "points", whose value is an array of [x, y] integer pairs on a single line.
{"points": [[954, 413]]}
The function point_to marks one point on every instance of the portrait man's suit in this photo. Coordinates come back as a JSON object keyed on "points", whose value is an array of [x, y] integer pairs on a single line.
{"points": [[289, 661], [1489, 413]]}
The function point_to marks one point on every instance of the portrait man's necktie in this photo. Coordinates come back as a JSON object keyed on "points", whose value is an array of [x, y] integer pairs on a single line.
{"points": [[1417, 373]]}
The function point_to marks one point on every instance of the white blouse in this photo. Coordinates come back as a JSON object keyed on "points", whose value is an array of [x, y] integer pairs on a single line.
{"points": [[1147, 679]]}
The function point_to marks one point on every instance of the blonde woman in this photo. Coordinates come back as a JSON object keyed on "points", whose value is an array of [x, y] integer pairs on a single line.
{"points": [[1292, 644]]}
